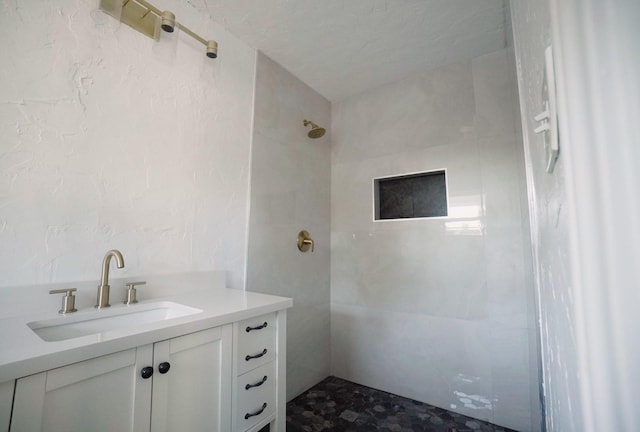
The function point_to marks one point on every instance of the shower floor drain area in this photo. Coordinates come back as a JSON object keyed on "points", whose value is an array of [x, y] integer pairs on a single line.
{"points": [[338, 405]]}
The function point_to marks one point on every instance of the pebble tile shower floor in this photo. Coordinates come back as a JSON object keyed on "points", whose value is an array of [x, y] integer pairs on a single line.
{"points": [[338, 405]]}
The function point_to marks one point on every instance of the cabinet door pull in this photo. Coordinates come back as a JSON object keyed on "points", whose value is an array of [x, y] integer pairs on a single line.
{"points": [[146, 372], [247, 416], [258, 384], [249, 357], [164, 367], [260, 327]]}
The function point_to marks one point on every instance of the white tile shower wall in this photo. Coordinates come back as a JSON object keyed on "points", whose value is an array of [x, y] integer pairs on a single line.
{"points": [[111, 141], [535, 364], [436, 310], [550, 228], [290, 191]]}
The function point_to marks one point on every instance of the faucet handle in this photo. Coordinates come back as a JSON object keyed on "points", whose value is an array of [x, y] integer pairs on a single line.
{"points": [[131, 292], [68, 301]]}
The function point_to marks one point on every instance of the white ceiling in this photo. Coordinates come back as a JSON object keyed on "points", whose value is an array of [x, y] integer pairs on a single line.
{"points": [[343, 47]]}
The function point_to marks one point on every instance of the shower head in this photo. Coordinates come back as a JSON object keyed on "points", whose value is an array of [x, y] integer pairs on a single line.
{"points": [[316, 131]]}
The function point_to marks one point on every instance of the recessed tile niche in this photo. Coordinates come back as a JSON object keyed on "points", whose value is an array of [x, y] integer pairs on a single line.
{"points": [[411, 196]]}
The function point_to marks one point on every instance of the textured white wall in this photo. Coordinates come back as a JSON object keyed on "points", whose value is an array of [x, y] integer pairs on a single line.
{"points": [[290, 191], [438, 310], [550, 227], [110, 140]]}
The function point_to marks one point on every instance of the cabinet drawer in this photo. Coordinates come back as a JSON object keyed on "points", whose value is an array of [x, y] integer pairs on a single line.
{"points": [[256, 342], [255, 389]]}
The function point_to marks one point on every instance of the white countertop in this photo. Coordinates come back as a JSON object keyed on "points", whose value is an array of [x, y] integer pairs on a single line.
{"points": [[22, 352]]}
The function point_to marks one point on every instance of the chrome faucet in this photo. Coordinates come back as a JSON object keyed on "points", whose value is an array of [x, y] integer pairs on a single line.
{"points": [[103, 289]]}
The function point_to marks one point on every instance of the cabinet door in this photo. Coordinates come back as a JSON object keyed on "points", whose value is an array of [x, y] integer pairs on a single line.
{"points": [[194, 394], [102, 394], [6, 402]]}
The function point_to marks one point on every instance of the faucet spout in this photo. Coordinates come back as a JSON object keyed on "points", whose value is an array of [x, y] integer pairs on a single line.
{"points": [[103, 289]]}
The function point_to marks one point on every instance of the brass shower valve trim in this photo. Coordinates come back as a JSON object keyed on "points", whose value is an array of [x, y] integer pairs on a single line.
{"points": [[304, 241]]}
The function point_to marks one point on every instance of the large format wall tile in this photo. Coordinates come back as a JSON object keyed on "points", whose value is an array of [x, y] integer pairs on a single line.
{"points": [[290, 191], [438, 309], [445, 361], [494, 88], [352, 185], [430, 109], [412, 271], [501, 166], [509, 349], [308, 362]]}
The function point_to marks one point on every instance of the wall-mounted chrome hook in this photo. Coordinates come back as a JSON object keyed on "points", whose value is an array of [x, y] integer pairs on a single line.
{"points": [[304, 241]]}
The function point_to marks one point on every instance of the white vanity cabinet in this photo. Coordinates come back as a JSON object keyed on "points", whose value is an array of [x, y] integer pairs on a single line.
{"points": [[193, 394], [101, 394], [220, 368], [259, 377], [181, 384]]}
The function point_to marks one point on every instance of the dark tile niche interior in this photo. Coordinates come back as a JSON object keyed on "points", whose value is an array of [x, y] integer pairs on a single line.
{"points": [[412, 196]]}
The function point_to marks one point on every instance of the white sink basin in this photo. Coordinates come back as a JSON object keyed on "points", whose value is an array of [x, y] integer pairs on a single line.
{"points": [[100, 321]]}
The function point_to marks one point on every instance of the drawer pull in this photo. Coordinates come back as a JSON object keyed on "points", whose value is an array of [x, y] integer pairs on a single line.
{"points": [[260, 327], [258, 384], [247, 358], [247, 416]]}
